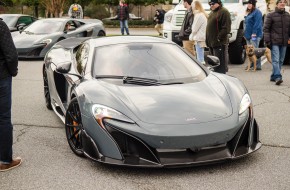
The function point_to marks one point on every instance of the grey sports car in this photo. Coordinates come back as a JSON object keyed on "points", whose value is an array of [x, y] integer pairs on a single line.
{"points": [[143, 101], [40, 36]]}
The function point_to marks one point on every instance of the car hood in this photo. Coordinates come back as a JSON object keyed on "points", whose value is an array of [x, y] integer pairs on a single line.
{"points": [[24, 40], [198, 102]]}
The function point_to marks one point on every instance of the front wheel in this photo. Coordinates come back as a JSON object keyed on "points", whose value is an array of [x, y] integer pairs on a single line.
{"points": [[74, 127], [237, 54]]}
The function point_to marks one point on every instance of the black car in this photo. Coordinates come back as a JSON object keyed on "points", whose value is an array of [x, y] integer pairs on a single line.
{"points": [[17, 21]]}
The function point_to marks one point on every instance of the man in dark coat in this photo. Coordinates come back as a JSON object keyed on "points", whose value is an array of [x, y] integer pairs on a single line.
{"points": [[276, 36], [217, 34], [159, 19], [8, 69], [185, 30], [123, 16]]}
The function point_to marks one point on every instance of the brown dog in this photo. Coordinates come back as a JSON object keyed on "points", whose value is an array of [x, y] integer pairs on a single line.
{"points": [[255, 53]]}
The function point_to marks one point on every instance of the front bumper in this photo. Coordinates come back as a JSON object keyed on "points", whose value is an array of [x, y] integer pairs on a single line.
{"points": [[135, 152]]}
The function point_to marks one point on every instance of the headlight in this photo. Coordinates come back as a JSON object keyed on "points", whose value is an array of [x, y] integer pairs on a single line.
{"points": [[245, 103], [46, 41], [101, 112], [168, 17]]}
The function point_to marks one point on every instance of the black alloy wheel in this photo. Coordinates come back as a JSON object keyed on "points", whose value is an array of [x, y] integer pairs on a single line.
{"points": [[46, 91], [74, 127]]}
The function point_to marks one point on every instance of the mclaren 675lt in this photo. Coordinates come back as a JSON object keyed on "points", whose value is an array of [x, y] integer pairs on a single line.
{"points": [[144, 101]]}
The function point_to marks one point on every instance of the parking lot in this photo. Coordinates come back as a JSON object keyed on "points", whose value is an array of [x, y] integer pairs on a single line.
{"points": [[39, 138]]}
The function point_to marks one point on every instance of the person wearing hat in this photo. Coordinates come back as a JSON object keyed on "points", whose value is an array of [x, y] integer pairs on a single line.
{"points": [[253, 28], [276, 35], [217, 33]]}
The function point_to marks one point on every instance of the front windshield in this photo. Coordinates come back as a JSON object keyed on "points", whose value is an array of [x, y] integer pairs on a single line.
{"points": [[44, 27], [147, 60], [9, 20]]}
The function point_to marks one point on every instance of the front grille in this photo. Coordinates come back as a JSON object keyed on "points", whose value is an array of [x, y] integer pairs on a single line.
{"points": [[178, 18]]}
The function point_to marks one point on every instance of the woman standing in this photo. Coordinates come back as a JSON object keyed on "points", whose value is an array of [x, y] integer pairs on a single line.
{"points": [[198, 29], [253, 27]]}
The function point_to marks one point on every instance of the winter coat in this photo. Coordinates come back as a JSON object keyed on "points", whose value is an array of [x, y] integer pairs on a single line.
{"points": [[218, 27], [123, 12], [8, 53], [159, 19], [198, 27], [276, 27], [185, 30], [253, 24]]}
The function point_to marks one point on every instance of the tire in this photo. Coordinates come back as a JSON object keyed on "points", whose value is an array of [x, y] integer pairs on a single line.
{"points": [[74, 127], [237, 54], [287, 57], [46, 91], [101, 33]]}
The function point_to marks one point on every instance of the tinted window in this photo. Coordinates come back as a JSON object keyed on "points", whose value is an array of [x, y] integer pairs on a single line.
{"points": [[154, 60], [25, 20]]}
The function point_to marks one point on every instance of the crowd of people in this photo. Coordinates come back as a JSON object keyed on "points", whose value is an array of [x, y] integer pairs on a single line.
{"points": [[200, 30]]}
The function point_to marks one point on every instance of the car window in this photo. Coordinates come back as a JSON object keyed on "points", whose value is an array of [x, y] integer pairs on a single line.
{"points": [[25, 20], [154, 60], [82, 57], [45, 27]]}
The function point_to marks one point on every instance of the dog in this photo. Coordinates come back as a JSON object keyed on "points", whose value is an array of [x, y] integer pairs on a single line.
{"points": [[255, 53]]}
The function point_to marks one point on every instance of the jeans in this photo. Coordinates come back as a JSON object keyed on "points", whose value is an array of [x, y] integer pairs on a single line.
{"points": [[255, 43], [278, 55], [199, 52], [6, 128], [124, 25]]}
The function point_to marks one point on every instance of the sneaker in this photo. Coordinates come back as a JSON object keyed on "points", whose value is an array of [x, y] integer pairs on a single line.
{"points": [[160, 34], [15, 163], [272, 80], [278, 81], [258, 69]]}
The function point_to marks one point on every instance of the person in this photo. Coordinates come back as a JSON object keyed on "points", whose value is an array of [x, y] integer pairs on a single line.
{"points": [[76, 11], [217, 34], [276, 35], [185, 30], [253, 29], [159, 19], [123, 16], [198, 29], [8, 69]]}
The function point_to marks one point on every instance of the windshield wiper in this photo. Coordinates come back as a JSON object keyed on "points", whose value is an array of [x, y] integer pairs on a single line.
{"points": [[140, 81], [109, 77], [27, 32]]}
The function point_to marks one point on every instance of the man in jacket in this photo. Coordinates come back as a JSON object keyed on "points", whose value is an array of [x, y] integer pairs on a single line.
{"points": [[123, 16], [276, 35], [185, 30], [217, 34], [159, 19], [8, 69]]}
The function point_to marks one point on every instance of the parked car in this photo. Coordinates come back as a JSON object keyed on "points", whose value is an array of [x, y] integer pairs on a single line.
{"points": [[149, 105], [131, 16], [16, 22], [40, 36]]}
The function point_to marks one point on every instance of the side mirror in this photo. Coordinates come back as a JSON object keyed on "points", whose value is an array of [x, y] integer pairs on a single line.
{"points": [[20, 26], [213, 61], [63, 67]]}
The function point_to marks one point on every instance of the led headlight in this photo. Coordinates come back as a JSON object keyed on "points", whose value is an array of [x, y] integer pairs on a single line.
{"points": [[245, 103], [100, 112]]}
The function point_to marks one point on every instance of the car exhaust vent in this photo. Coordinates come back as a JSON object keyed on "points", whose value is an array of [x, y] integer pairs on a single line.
{"points": [[35, 52]]}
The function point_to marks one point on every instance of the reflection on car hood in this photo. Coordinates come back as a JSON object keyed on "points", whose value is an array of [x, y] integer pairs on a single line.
{"points": [[199, 102], [24, 40]]}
